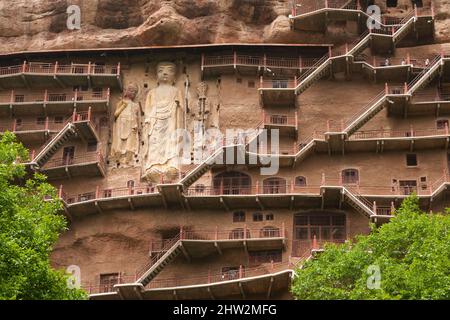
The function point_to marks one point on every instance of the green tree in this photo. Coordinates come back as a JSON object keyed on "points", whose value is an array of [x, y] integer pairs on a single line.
{"points": [[29, 227], [411, 252]]}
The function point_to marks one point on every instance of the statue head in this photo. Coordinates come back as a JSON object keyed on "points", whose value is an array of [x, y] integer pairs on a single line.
{"points": [[166, 72], [131, 91]]}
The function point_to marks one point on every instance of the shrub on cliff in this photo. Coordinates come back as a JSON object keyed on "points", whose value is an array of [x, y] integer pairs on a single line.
{"points": [[29, 227], [407, 258]]}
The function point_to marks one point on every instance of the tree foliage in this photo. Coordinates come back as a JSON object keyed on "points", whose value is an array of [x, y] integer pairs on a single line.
{"points": [[29, 227], [412, 253]]}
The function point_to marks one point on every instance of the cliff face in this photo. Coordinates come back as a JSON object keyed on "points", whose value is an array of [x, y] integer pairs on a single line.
{"points": [[41, 24]]}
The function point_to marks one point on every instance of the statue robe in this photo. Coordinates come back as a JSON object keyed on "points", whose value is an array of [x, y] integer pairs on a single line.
{"points": [[163, 116], [125, 132]]}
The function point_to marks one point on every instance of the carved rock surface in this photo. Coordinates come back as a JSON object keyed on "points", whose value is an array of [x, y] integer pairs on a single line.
{"points": [[41, 24]]}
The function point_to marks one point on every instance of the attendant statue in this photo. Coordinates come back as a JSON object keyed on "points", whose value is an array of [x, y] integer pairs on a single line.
{"points": [[125, 142], [163, 115]]}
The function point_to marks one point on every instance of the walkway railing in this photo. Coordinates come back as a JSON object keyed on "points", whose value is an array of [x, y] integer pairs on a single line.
{"points": [[430, 97], [47, 96], [257, 61], [61, 69], [199, 278], [216, 277], [17, 125], [106, 193], [387, 133], [280, 119], [221, 234], [87, 158]]}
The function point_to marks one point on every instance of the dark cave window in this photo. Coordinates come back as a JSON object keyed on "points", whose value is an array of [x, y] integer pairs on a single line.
{"points": [[391, 3]]}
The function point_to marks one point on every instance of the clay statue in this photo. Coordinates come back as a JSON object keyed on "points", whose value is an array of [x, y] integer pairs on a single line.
{"points": [[163, 115], [125, 139]]}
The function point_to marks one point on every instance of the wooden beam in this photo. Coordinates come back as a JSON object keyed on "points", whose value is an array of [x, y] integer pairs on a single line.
{"points": [[269, 291], [222, 201], [211, 295], [99, 208], [188, 206], [185, 253], [130, 202], [216, 245], [241, 289], [261, 206]]}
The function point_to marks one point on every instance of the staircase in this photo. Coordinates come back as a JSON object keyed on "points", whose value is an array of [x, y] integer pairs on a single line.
{"points": [[407, 23], [319, 69], [202, 168], [75, 124], [54, 144], [426, 76], [365, 114], [170, 251], [357, 201], [306, 146], [197, 171]]}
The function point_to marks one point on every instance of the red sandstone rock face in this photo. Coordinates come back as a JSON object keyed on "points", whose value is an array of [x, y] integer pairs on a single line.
{"points": [[41, 24]]}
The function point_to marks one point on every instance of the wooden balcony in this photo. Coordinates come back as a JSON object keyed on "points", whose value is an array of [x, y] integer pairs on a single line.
{"points": [[53, 102], [427, 103], [396, 140], [278, 93], [103, 199], [254, 64], [258, 282], [393, 69], [286, 124], [315, 16], [42, 75], [254, 196], [91, 164], [200, 243], [31, 132]]}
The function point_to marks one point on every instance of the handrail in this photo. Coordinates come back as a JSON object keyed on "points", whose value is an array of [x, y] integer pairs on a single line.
{"points": [[411, 85], [61, 69], [89, 157], [407, 133], [171, 244], [269, 268]]}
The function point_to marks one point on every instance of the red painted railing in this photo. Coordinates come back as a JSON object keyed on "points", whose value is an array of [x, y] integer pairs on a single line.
{"points": [[215, 277], [257, 61], [281, 84], [108, 193], [221, 234], [56, 68], [14, 97], [87, 158], [280, 119], [205, 278], [387, 133]]}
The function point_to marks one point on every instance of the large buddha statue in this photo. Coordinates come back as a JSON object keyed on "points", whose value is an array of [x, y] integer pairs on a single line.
{"points": [[125, 139], [163, 115]]}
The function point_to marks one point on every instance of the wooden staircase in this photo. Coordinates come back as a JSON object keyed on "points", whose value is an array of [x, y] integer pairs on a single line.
{"points": [[170, 251], [54, 144], [358, 202], [322, 66]]}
